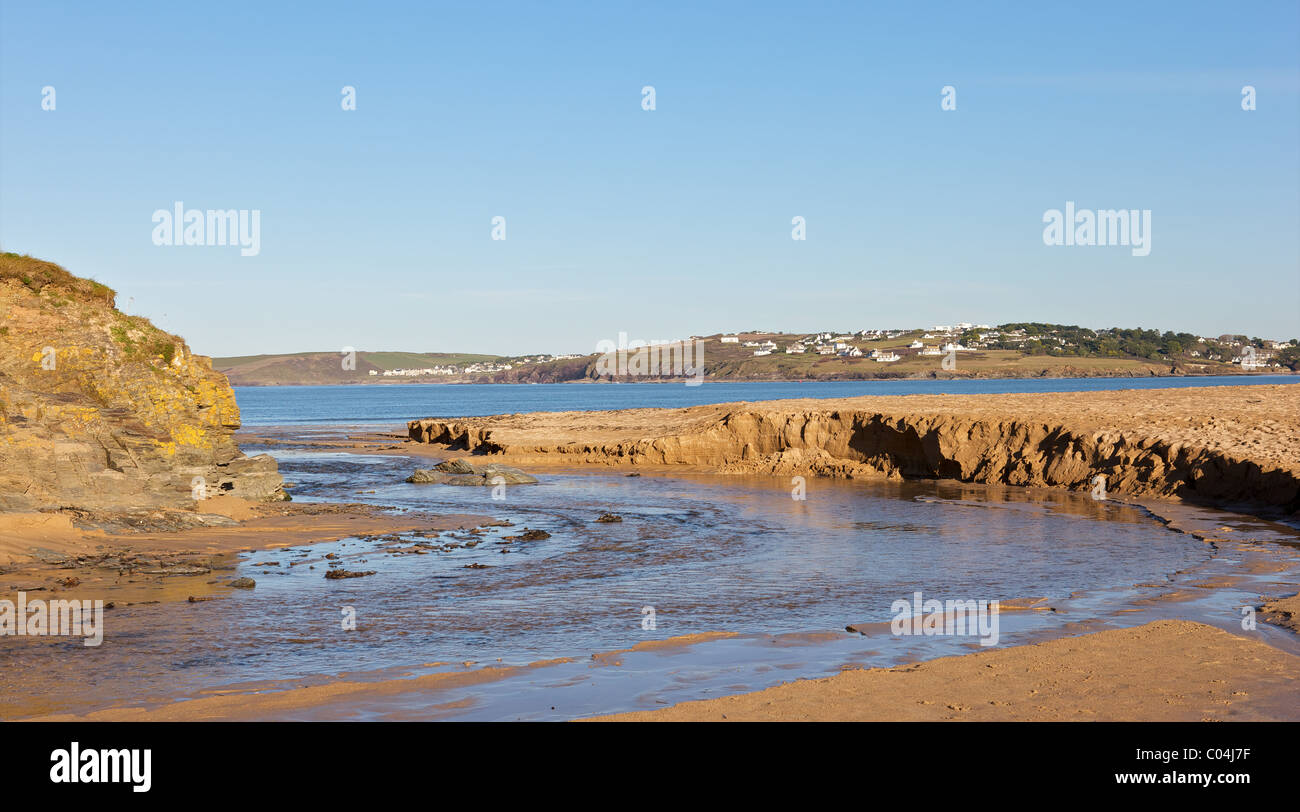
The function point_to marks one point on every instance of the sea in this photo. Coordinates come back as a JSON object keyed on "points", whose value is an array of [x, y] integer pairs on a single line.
{"points": [[362, 404]]}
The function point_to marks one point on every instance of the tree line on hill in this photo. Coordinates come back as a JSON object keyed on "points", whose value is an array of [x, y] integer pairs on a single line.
{"points": [[1117, 342]]}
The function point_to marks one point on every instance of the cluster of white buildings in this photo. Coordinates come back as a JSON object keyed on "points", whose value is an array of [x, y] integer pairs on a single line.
{"points": [[824, 344], [944, 339], [542, 359], [415, 373], [842, 344], [483, 366], [939, 332], [838, 345], [486, 366], [827, 344]]}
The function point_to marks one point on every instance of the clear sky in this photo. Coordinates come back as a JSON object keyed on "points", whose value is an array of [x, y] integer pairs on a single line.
{"points": [[376, 222]]}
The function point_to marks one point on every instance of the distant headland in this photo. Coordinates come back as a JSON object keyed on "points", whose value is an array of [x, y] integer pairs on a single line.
{"points": [[1013, 350]]}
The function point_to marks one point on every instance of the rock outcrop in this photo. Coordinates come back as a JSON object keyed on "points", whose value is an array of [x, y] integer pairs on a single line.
{"points": [[1226, 444], [102, 410], [460, 472]]}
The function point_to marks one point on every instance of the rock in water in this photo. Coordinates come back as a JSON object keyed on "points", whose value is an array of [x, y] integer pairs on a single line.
{"points": [[454, 467], [529, 535], [335, 575], [511, 476], [102, 410], [460, 472], [427, 476]]}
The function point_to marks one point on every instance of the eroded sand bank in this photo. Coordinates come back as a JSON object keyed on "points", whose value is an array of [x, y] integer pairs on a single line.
{"points": [[1239, 443]]}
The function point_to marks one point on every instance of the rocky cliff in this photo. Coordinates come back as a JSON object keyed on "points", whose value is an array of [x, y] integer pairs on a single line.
{"points": [[1224, 444], [102, 410]]}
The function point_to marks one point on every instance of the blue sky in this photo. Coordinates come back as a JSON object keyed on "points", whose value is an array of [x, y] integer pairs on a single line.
{"points": [[376, 223]]}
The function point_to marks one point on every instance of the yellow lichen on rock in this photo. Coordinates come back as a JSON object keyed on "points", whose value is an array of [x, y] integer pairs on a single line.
{"points": [[119, 414]]}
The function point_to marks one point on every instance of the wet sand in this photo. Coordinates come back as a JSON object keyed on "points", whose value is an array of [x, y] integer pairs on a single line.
{"points": [[1163, 671], [156, 556], [333, 699], [1284, 612]]}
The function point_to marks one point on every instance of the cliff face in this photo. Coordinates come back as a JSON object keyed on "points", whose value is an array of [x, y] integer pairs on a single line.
{"points": [[103, 410], [1215, 444]]}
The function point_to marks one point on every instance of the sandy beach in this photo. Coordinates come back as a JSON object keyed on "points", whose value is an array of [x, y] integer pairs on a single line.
{"points": [[162, 555], [1163, 671]]}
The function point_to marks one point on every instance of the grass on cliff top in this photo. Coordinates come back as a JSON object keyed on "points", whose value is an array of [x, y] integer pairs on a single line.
{"points": [[142, 341], [38, 274], [137, 336]]}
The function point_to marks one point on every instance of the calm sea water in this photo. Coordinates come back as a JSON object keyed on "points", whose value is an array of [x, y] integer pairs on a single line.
{"points": [[387, 404]]}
